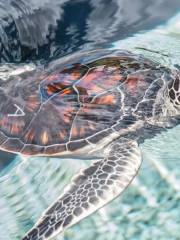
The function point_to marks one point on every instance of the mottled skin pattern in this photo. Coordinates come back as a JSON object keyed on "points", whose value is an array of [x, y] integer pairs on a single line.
{"points": [[98, 105]]}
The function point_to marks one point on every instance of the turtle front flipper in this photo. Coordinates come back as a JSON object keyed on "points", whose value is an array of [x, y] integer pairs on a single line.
{"points": [[91, 189]]}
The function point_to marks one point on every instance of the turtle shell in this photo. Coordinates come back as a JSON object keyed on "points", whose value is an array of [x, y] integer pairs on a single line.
{"points": [[74, 103]]}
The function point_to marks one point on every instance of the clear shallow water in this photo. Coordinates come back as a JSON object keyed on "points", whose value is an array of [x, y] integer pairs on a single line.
{"points": [[150, 208]]}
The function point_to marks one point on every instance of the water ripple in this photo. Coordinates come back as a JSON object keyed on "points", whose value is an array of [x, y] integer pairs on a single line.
{"points": [[43, 29], [38, 29]]}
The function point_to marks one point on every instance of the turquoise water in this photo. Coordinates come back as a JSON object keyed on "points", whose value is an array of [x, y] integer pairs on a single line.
{"points": [[149, 209]]}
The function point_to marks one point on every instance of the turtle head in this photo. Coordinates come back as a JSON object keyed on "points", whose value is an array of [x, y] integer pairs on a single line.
{"points": [[173, 93]]}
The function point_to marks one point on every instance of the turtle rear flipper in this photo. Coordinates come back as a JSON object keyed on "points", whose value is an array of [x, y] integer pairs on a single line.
{"points": [[91, 189]]}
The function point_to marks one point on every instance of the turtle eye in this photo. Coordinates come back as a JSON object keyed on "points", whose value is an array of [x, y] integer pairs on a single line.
{"points": [[176, 84], [172, 94]]}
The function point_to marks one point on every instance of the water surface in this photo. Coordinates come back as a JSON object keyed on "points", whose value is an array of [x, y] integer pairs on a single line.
{"points": [[43, 29], [36, 32]]}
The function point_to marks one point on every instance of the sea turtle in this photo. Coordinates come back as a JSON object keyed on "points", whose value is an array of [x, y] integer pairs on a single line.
{"points": [[97, 105]]}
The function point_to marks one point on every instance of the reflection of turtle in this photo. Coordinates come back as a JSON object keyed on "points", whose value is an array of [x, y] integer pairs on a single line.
{"points": [[99, 105]]}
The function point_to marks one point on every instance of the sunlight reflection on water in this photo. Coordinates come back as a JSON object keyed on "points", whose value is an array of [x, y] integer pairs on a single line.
{"points": [[149, 207]]}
